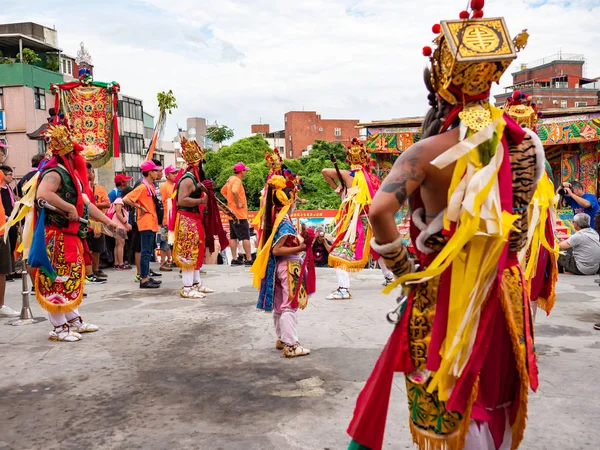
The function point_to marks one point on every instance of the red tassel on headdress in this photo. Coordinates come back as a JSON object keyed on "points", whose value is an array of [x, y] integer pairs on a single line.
{"points": [[464, 15]]}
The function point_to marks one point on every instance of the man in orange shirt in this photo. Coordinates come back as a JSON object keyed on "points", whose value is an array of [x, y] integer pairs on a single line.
{"points": [[5, 262], [144, 199], [235, 194], [166, 191]]}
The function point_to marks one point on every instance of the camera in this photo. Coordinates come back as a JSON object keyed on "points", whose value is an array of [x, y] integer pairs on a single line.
{"points": [[562, 190], [321, 234]]}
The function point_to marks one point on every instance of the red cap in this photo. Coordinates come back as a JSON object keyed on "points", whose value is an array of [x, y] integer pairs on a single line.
{"points": [[121, 177]]}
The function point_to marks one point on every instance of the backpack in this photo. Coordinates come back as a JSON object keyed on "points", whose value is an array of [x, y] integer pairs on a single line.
{"points": [[160, 211], [111, 211]]}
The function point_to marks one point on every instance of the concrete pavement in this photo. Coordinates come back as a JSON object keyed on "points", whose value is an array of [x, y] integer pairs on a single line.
{"points": [[169, 373]]}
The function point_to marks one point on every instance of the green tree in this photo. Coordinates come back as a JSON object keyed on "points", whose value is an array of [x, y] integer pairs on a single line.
{"points": [[51, 63], [219, 134], [251, 151], [29, 56]]}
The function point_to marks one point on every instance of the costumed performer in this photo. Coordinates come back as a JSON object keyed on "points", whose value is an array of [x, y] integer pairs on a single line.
{"points": [[196, 221], [539, 258], [57, 249], [351, 248], [283, 278], [464, 331]]}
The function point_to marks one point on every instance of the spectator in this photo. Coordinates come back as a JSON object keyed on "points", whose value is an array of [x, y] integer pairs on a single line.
{"points": [[136, 245], [583, 249], [144, 199], [166, 191], [235, 194], [579, 200], [5, 265], [96, 240], [121, 182], [121, 217], [8, 203], [321, 248], [35, 163]]}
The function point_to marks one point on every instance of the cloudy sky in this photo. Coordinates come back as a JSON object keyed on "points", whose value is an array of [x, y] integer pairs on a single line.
{"points": [[244, 61]]}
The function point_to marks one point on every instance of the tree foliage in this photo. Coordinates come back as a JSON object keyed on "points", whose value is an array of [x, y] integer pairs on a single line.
{"points": [[166, 102], [29, 56], [219, 134], [251, 151]]}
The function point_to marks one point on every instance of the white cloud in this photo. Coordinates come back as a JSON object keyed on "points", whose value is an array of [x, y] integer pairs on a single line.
{"points": [[239, 61]]}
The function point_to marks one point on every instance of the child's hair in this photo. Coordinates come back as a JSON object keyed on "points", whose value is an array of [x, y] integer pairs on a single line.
{"points": [[126, 191]]}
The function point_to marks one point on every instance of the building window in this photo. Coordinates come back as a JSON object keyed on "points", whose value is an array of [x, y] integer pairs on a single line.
{"points": [[40, 98], [291, 154], [337, 132], [41, 144], [131, 109], [290, 138], [1, 99], [577, 104], [320, 130], [563, 103], [132, 143]]}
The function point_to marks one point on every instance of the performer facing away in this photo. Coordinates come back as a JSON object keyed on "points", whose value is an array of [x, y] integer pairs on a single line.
{"points": [[197, 220], [464, 333], [539, 258], [59, 232], [284, 279], [352, 246]]}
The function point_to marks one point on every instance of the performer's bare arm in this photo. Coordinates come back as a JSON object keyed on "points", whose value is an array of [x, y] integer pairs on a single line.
{"points": [[331, 177], [407, 174], [183, 196], [48, 189], [280, 250], [98, 215]]}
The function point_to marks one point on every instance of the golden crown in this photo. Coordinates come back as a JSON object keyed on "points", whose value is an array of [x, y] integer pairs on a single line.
{"points": [[192, 153], [357, 155], [60, 140], [274, 160], [471, 54], [522, 109]]}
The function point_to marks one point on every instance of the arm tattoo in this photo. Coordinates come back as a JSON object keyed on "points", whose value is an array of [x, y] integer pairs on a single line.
{"points": [[407, 170]]}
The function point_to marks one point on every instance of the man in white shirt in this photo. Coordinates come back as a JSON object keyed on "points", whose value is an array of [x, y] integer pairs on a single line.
{"points": [[582, 249]]}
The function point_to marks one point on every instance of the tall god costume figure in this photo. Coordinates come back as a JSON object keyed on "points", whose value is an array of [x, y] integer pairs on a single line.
{"points": [[464, 329], [196, 221], [351, 248], [54, 231]]}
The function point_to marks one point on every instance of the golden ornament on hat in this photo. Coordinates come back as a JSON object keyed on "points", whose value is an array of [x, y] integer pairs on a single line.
{"points": [[274, 160], [59, 140], [191, 152], [470, 55], [357, 155]]}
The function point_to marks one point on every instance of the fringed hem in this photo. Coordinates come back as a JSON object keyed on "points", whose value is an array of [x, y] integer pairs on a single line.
{"points": [[183, 266], [54, 308], [348, 266], [547, 304], [456, 441], [518, 428]]}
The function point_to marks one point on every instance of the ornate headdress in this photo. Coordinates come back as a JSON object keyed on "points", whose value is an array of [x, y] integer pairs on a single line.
{"points": [[357, 155], [471, 53], [192, 153], [60, 140], [290, 181], [522, 109], [274, 160]]}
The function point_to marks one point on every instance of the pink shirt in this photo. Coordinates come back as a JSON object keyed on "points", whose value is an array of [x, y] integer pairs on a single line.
{"points": [[119, 218]]}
